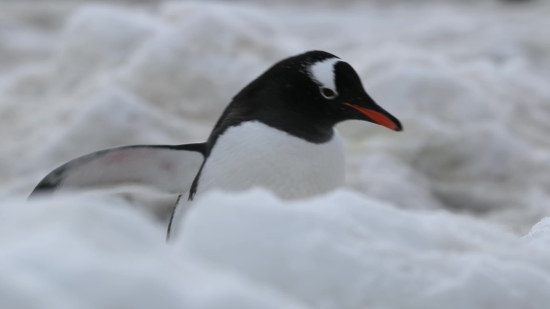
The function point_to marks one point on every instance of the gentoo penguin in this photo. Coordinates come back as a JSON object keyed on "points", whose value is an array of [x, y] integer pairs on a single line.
{"points": [[277, 133]]}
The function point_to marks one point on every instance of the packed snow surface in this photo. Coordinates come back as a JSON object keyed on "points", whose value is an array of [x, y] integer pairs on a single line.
{"points": [[430, 217], [341, 251]]}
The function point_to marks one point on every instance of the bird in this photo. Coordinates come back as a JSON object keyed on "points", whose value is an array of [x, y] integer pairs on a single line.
{"points": [[277, 133]]}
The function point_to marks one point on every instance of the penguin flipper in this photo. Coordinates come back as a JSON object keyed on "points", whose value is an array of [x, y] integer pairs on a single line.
{"points": [[168, 168]]}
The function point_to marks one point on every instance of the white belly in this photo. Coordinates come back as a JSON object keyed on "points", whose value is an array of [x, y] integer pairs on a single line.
{"points": [[256, 155]]}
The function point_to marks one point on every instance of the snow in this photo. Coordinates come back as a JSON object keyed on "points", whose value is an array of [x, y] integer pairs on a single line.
{"points": [[437, 216], [251, 250], [347, 251], [469, 83], [97, 253]]}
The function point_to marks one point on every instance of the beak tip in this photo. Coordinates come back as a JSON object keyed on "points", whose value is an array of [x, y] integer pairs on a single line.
{"points": [[398, 127]]}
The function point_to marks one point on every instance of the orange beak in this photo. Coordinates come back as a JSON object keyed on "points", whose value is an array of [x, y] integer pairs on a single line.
{"points": [[378, 117]]}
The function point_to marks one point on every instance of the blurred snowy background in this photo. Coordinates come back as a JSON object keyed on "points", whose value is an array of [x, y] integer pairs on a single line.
{"points": [[469, 80]]}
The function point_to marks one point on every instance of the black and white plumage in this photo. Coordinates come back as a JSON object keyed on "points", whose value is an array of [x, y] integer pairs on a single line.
{"points": [[277, 133]]}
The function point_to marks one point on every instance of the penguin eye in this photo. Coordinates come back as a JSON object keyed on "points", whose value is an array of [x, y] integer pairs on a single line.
{"points": [[328, 93]]}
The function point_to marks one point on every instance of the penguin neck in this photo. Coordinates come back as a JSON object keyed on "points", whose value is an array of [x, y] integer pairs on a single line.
{"points": [[308, 128]]}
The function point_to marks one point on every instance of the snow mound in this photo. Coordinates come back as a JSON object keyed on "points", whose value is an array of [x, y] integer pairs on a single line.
{"points": [[75, 252], [211, 48], [252, 250], [96, 39], [347, 251]]}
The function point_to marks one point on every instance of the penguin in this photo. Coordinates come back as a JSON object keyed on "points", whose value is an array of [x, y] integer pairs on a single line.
{"points": [[277, 133]]}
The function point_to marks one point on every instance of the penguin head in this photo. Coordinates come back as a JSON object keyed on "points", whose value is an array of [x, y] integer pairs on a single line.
{"points": [[306, 96], [315, 88], [339, 92]]}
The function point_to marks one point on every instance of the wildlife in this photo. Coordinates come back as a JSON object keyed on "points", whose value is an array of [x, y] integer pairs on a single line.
{"points": [[277, 133]]}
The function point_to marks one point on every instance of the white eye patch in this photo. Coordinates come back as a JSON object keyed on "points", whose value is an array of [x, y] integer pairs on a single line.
{"points": [[322, 72]]}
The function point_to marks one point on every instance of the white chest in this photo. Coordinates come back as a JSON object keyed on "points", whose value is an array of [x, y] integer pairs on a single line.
{"points": [[256, 155]]}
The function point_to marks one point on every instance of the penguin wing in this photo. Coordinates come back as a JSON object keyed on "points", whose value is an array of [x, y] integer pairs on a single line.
{"points": [[168, 168]]}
